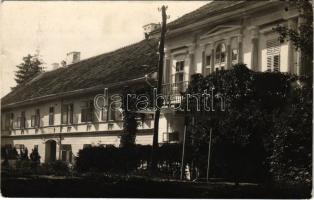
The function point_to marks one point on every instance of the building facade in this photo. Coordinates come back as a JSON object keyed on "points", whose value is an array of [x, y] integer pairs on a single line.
{"points": [[54, 111], [221, 34]]}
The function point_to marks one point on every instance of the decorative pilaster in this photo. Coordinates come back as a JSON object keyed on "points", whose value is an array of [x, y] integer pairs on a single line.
{"points": [[202, 48], [167, 67], [192, 61], [254, 40], [240, 43], [229, 61], [212, 62]]}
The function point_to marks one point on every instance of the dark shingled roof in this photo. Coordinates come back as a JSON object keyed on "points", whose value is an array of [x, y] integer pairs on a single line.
{"points": [[130, 62], [205, 11]]}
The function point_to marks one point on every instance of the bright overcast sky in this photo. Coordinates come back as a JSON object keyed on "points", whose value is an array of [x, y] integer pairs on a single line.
{"points": [[56, 28]]}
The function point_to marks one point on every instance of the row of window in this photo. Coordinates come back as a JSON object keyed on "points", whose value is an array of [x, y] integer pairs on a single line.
{"points": [[273, 58], [88, 114], [219, 62]]}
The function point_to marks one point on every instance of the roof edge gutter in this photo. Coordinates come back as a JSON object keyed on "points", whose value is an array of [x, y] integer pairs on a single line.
{"points": [[50, 97]]}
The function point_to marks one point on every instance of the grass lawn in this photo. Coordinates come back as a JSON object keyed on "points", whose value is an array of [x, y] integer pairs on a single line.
{"points": [[141, 188]]}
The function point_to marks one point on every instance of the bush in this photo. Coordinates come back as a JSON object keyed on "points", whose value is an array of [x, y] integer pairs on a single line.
{"points": [[111, 159], [35, 158], [58, 168], [129, 159], [265, 130]]}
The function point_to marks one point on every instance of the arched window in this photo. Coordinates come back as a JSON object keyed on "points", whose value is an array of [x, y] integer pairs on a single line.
{"points": [[220, 55]]}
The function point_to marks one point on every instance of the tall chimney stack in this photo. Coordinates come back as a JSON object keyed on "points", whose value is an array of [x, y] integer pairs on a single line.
{"points": [[149, 29]]}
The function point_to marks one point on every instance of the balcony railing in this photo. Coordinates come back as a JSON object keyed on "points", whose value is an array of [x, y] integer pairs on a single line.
{"points": [[75, 128], [173, 91]]}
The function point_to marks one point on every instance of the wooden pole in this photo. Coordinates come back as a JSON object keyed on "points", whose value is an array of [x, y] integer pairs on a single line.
{"points": [[183, 153], [160, 75], [209, 147]]}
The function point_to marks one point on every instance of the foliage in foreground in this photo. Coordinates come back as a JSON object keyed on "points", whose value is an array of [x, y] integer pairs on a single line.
{"points": [[265, 125], [128, 159]]}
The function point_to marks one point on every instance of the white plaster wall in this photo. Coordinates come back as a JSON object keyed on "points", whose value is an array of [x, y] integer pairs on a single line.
{"points": [[284, 58], [78, 142]]}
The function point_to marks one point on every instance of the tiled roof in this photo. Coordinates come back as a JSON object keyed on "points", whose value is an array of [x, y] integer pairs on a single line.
{"points": [[205, 11], [124, 64]]}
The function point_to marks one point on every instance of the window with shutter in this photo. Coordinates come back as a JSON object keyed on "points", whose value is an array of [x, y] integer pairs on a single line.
{"points": [[273, 55], [179, 74], [276, 63], [18, 123], [87, 111], [207, 65], [66, 153], [67, 114], [22, 120], [37, 118], [70, 113], [7, 122], [11, 120], [208, 60], [220, 55], [33, 121], [64, 115], [51, 116], [269, 63]]}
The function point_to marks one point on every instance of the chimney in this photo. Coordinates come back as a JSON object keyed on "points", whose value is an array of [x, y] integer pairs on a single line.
{"points": [[149, 29], [73, 57], [55, 66]]}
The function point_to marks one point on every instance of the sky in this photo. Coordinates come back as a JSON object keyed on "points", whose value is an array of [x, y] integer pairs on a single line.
{"points": [[55, 28]]}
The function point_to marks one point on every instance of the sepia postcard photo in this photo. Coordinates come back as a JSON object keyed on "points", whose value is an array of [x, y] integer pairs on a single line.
{"points": [[157, 99]]}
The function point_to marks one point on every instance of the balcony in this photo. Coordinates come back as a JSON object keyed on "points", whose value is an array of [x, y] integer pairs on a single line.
{"points": [[173, 92]]}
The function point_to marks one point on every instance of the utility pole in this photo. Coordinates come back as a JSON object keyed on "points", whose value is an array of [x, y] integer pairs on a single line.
{"points": [[160, 75], [209, 147]]}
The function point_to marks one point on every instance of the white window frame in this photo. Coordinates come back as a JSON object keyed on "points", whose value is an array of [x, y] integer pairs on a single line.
{"points": [[180, 71], [221, 63]]}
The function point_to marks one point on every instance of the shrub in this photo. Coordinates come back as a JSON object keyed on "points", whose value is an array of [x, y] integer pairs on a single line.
{"points": [[129, 159], [35, 158], [265, 130], [58, 168]]}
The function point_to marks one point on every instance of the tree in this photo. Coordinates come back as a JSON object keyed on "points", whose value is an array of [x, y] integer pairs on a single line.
{"points": [[264, 130], [130, 122], [135, 99], [24, 154], [302, 37], [35, 158], [291, 155], [29, 68]]}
